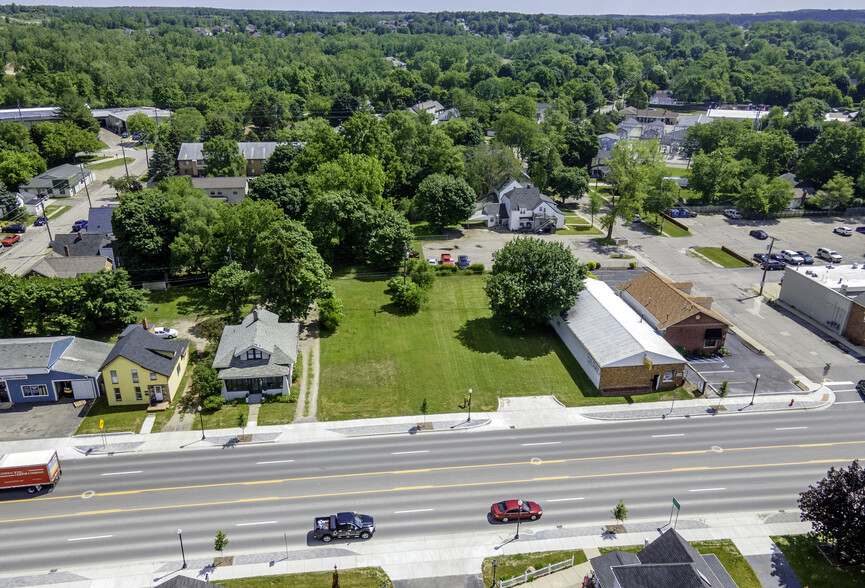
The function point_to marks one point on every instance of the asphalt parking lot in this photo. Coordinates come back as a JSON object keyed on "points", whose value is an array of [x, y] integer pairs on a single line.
{"points": [[40, 420]]}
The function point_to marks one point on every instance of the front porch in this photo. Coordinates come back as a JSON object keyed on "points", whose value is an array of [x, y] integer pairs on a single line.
{"points": [[252, 388]]}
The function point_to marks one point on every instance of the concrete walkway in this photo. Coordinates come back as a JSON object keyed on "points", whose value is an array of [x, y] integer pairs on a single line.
{"points": [[772, 568]]}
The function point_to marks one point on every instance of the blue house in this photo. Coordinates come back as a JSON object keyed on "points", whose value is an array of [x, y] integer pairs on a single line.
{"points": [[41, 369]]}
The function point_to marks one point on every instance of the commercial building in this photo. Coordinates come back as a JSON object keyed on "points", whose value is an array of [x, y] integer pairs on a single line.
{"points": [[620, 352], [63, 180], [190, 158]]}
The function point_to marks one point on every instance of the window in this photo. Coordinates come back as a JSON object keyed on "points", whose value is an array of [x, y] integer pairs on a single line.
{"points": [[31, 391], [134, 377], [668, 375], [178, 369], [113, 377], [117, 396], [137, 393], [253, 354], [152, 375], [712, 338]]}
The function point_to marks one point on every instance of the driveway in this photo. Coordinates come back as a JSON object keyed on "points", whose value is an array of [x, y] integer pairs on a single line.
{"points": [[42, 420]]}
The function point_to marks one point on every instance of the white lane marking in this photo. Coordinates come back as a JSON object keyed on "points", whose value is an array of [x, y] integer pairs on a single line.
{"points": [[415, 510], [670, 435], [408, 452], [845, 390], [563, 499], [252, 524], [122, 473], [789, 428], [277, 461], [706, 489], [89, 538], [544, 443], [850, 402], [717, 371], [831, 383]]}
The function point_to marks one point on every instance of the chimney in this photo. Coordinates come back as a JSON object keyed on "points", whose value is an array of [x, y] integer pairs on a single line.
{"points": [[144, 324], [66, 250], [255, 315]]}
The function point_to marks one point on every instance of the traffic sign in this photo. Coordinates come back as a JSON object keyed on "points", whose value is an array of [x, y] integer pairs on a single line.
{"points": [[676, 503]]}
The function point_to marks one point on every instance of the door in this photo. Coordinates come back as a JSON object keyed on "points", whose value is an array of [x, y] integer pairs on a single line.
{"points": [[4, 394], [656, 381], [83, 389], [157, 393]]}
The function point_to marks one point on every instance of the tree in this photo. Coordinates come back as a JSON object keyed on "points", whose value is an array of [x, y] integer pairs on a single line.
{"points": [[230, 287], [290, 274], [222, 158], [596, 202], [221, 542], [141, 123], [330, 313], [722, 393], [15, 136], [286, 190], [620, 512], [516, 131], [637, 97], [762, 196], [282, 159], [487, 168], [187, 124], [242, 421], [531, 281], [362, 174], [424, 408], [444, 200], [581, 145], [409, 297], [161, 163], [59, 142], [111, 300], [17, 167], [839, 149], [635, 170], [205, 381], [388, 232], [835, 510], [73, 109], [715, 173], [569, 181], [144, 232], [836, 192]]}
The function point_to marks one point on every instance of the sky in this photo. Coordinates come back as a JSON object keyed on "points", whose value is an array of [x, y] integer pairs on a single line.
{"points": [[537, 6]]}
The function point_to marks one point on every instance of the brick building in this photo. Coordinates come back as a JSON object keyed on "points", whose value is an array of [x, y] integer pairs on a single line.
{"points": [[190, 159], [686, 321], [620, 353]]}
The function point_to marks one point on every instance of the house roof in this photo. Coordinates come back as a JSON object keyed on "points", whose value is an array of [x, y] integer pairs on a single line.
{"points": [[187, 582], [99, 219], [145, 349], [666, 300], [29, 352], [83, 357], [80, 244], [224, 183], [262, 330], [613, 333], [528, 198], [601, 565], [435, 105], [659, 576], [68, 267], [249, 150]]}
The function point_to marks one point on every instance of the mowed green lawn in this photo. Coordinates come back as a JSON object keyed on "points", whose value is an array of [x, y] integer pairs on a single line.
{"points": [[381, 362]]}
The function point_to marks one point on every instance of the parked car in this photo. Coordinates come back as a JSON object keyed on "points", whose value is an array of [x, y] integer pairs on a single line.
{"points": [[774, 264], [638, 218], [10, 240], [79, 225], [759, 257], [829, 255], [758, 234], [860, 229], [40, 220], [860, 387], [791, 256], [511, 510], [432, 261], [14, 228], [463, 261], [844, 231], [165, 332], [447, 259], [413, 255], [806, 257], [732, 213]]}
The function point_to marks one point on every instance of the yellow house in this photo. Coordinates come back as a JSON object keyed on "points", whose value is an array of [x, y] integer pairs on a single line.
{"points": [[143, 368]]}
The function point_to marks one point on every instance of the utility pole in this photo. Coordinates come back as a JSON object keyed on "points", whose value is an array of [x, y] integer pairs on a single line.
{"points": [[86, 188], [123, 149], [766, 264], [405, 263]]}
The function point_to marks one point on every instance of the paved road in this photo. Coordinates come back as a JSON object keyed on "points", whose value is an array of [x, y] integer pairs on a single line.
{"points": [[129, 507]]}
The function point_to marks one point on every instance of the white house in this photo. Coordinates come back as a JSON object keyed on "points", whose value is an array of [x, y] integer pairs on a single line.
{"points": [[522, 208]]}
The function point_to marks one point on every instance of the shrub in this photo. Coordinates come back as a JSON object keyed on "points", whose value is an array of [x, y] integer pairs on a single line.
{"points": [[446, 269], [632, 265], [409, 297], [330, 313], [394, 284], [211, 329], [476, 268], [214, 402]]}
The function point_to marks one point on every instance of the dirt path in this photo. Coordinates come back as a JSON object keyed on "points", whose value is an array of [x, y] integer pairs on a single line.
{"points": [[308, 345]]}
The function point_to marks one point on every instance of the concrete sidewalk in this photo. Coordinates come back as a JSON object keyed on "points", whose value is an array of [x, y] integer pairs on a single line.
{"points": [[525, 412], [408, 562]]}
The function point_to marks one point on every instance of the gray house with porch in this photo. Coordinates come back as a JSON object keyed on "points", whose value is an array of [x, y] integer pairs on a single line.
{"points": [[257, 356]]}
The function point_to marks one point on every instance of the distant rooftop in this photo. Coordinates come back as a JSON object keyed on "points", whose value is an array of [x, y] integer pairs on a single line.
{"points": [[850, 277]]}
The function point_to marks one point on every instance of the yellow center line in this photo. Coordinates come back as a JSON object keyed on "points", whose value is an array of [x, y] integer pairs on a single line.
{"points": [[441, 469], [412, 488]]}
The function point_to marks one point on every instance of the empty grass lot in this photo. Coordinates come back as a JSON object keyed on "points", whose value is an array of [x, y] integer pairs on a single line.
{"points": [[733, 561], [118, 419], [109, 163], [177, 303], [812, 568], [353, 578], [720, 257], [277, 413], [510, 566], [382, 362]]}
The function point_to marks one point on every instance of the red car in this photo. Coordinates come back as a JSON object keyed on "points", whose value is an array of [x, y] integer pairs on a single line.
{"points": [[447, 259], [10, 240], [510, 510]]}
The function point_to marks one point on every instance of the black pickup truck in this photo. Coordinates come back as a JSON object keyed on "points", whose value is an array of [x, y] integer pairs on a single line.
{"points": [[343, 525]]}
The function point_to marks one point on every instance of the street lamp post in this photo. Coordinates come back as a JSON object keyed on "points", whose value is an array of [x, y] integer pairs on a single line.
{"points": [[468, 420], [182, 553], [201, 416], [755, 390], [495, 565], [519, 518]]}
